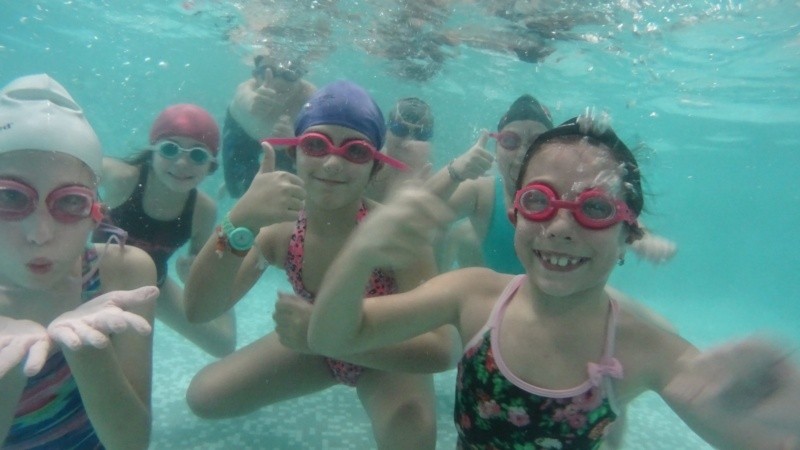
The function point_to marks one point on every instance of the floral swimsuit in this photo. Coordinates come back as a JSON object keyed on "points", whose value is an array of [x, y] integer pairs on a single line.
{"points": [[380, 283], [494, 409]]}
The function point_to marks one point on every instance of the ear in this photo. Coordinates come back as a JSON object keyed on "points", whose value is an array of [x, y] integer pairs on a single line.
{"points": [[512, 216]]}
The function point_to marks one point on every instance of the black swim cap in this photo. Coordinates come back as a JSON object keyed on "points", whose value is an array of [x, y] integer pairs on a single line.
{"points": [[526, 108]]}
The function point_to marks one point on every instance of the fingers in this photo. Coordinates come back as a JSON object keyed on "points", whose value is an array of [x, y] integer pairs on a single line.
{"points": [[268, 162], [75, 334], [482, 139], [10, 356], [37, 357], [134, 298]]}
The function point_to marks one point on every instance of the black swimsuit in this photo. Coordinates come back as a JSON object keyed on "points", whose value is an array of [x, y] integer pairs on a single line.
{"points": [[159, 238]]}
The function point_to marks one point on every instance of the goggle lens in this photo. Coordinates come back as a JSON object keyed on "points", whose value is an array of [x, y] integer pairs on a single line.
{"points": [[593, 209], [171, 150], [509, 140], [403, 129], [67, 204], [16, 202], [318, 145]]}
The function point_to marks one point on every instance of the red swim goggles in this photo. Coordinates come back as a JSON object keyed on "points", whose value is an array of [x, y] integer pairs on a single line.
{"points": [[318, 145], [593, 209], [67, 204]]}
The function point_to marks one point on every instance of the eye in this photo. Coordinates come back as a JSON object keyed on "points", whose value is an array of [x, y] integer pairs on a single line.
{"points": [[534, 201], [199, 155], [73, 205], [13, 200], [598, 208], [510, 141], [358, 151], [314, 146]]}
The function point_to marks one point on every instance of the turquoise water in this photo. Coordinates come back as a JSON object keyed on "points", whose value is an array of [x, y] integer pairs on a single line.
{"points": [[711, 88]]}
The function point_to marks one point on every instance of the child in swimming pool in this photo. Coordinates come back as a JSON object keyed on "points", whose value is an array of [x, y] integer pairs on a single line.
{"points": [[409, 129], [302, 221], [153, 196], [551, 355], [485, 200], [75, 343]]}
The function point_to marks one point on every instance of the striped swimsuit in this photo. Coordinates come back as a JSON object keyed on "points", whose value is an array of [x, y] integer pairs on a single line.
{"points": [[50, 414]]}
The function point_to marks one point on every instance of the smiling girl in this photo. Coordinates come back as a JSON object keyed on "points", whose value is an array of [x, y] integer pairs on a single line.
{"points": [[153, 196], [302, 221], [552, 356]]}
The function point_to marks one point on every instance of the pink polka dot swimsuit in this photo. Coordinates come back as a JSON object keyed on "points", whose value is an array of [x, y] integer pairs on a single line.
{"points": [[381, 282]]}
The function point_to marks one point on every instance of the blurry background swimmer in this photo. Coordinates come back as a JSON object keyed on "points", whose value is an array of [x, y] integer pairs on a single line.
{"points": [[409, 130]]}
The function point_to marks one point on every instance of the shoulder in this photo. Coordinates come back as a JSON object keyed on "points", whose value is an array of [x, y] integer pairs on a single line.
{"points": [[118, 180], [125, 268]]}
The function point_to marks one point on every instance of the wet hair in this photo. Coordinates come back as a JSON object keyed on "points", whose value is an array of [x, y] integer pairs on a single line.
{"points": [[526, 107], [584, 127]]}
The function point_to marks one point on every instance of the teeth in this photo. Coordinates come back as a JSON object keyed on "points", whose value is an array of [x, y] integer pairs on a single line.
{"points": [[561, 261]]}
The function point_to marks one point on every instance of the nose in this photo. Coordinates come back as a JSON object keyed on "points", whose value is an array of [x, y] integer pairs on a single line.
{"points": [[333, 163], [561, 226], [39, 229]]}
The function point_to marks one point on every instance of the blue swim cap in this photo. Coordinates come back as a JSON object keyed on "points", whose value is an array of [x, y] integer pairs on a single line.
{"points": [[345, 104]]}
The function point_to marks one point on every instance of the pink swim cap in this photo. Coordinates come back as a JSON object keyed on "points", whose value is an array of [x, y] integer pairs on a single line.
{"points": [[186, 120]]}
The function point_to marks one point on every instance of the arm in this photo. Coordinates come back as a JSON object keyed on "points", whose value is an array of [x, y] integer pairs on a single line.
{"points": [[721, 431], [203, 223], [115, 380], [469, 166], [215, 282], [751, 379], [431, 350], [342, 323]]}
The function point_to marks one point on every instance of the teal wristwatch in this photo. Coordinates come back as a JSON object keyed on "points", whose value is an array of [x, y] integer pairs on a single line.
{"points": [[240, 239]]}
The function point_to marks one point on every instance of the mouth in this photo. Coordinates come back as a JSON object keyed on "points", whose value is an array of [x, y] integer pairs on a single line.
{"points": [[40, 266], [559, 262], [330, 182], [181, 177]]}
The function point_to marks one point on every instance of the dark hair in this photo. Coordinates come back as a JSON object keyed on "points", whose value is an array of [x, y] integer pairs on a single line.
{"points": [[526, 107], [582, 127]]}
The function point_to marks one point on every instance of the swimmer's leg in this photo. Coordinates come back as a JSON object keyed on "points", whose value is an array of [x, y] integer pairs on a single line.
{"points": [[217, 337], [259, 374], [402, 408]]}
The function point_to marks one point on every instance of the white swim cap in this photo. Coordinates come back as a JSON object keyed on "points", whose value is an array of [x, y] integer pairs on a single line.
{"points": [[37, 113]]}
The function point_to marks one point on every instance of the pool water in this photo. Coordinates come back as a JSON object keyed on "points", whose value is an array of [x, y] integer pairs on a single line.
{"points": [[711, 88]]}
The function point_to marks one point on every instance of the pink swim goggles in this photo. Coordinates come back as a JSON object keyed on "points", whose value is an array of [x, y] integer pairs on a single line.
{"points": [[67, 204], [318, 145], [508, 139], [593, 209]]}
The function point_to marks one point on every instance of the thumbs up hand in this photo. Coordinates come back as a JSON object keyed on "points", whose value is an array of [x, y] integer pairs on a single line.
{"points": [[272, 197]]}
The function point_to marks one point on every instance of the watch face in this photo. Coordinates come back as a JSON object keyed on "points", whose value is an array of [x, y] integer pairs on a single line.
{"points": [[240, 239]]}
